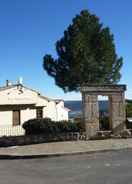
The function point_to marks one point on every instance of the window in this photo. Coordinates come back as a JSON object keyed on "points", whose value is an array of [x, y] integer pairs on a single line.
{"points": [[39, 113]]}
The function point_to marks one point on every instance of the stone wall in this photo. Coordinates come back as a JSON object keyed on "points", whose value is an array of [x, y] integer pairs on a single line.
{"points": [[36, 139]]}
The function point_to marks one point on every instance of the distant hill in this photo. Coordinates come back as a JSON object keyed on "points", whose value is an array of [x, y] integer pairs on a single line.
{"points": [[76, 107]]}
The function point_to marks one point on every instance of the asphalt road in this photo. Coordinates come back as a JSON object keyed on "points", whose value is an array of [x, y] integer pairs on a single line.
{"points": [[99, 168]]}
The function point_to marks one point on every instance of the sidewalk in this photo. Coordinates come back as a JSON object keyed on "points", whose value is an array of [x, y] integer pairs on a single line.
{"points": [[64, 148]]}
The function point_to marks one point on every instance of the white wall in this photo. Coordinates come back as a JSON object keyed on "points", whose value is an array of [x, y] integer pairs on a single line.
{"points": [[27, 114], [50, 111], [5, 118], [62, 112], [41, 101], [56, 113]]}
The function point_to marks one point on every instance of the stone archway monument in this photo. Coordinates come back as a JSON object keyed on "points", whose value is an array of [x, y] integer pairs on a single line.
{"points": [[117, 115]]}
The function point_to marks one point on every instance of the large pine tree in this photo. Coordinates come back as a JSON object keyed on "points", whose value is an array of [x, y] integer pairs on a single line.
{"points": [[86, 55]]}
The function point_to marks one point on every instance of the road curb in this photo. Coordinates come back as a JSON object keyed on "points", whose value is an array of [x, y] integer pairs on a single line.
{"points": [[14, 157]]}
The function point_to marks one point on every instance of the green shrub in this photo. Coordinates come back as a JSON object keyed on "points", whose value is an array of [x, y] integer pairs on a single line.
{"points": [[128, 125], [128, 108], [104, 123], [80, 124], [47, 126]]}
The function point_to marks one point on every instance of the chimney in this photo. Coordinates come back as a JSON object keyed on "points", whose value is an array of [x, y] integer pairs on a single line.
{"points": [[8, 83]]}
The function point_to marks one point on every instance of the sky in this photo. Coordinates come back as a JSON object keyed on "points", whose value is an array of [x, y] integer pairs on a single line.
{"points": [[29, 29]]}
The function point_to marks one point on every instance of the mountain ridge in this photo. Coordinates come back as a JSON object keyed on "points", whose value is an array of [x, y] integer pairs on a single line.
{"points": [[75, 107]]}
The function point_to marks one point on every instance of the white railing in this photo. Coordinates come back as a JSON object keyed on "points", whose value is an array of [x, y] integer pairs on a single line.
{"points": [[11, 131]]}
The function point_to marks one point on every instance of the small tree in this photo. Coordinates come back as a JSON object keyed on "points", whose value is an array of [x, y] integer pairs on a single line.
{"points": [[86, 55]]}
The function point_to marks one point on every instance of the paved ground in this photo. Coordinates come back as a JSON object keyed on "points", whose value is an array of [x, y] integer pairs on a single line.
{"points": [[67, 147], [98, 168]]}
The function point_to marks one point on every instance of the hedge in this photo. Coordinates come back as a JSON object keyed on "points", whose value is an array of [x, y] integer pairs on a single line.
{"points": [[47, 126]]}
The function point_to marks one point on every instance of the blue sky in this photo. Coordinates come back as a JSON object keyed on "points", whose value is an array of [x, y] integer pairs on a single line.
{"points": [[30, 28]]}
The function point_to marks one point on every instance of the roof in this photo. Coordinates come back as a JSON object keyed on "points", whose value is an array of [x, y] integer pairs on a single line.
{"points": [[58, 100], [44, 97], [16, 85], [41, 96], [8, 87]]}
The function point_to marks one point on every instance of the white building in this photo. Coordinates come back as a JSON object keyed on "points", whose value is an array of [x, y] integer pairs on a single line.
{"points": [[19, 104]]}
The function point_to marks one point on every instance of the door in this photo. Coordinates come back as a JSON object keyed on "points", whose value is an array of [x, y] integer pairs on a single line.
{"points": [[16, 117]]}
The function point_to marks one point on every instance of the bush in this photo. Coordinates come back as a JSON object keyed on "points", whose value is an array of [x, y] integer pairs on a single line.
{"points": [[37, 126], [104, 123], [47, 126], [128, 124], [80, 124], [128, 108]]}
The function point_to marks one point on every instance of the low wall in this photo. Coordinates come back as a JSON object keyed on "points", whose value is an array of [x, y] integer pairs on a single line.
{"points": [[36, 139]]}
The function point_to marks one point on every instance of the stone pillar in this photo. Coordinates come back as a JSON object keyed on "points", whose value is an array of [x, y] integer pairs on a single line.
{"points": [[110, 111], [90, 114], [117, 112]]}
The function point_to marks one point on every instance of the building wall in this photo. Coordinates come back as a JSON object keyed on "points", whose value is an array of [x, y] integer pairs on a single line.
{"points": [[56, 113], [5, 118], [41, 101], [50, 111], [27, 114], [62, 113]]}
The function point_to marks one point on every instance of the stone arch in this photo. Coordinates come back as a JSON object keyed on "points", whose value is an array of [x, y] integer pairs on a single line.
{"points": [[91, 111]]}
